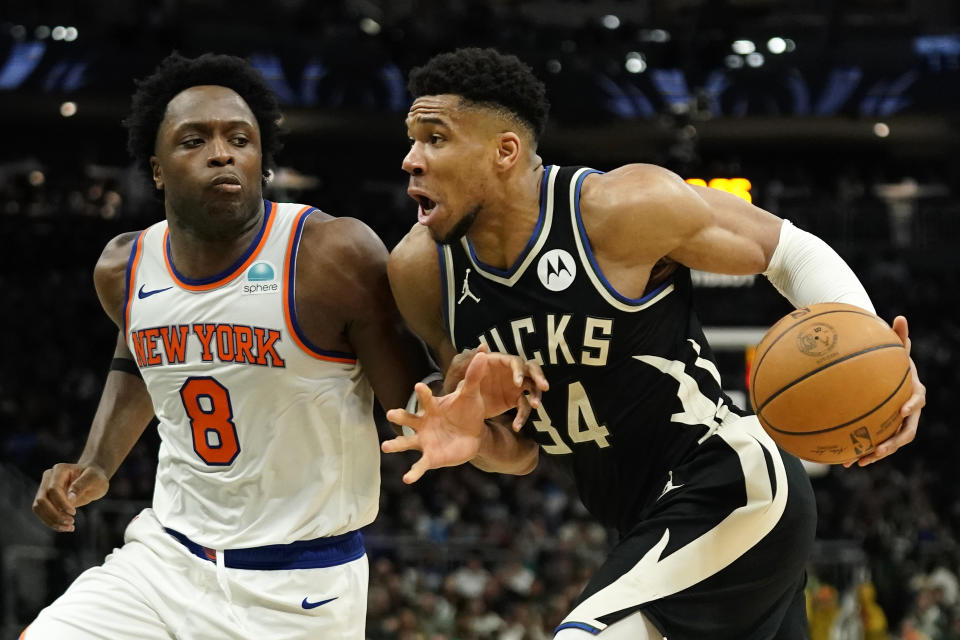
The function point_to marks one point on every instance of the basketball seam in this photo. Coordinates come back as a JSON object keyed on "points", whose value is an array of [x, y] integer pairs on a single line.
{"points": [[756, 369], [812, 372], [845, 424]]}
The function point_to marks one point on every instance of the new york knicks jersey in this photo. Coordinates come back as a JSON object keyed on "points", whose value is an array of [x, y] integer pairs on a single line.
{"points": [[265, 438], [633, 385]]}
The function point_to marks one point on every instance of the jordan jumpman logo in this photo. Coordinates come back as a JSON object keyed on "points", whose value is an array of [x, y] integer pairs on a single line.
{"points": [[465, 290]]}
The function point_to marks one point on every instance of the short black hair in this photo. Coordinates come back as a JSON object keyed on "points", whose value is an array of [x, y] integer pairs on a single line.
{"points": [[486, 77], [176, 73]]}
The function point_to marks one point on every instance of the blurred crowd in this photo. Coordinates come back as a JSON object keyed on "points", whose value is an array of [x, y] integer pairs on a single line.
{"points": [[611, 60], [464, 554]]}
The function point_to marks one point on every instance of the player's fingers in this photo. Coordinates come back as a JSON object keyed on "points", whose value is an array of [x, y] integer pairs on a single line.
{"points": [[918, 399], [91, 485], [401, 443], [523, 412], [904, 436], [51, 506], [902, 329], [535, 373], [483, 348], [517, 371], [424, 397], [477, 369], [402, 416], [61, 477], [416, 472], [531, 393]]}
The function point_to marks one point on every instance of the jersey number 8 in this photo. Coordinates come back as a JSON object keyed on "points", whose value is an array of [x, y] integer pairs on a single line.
{"points": [[207, 403]]}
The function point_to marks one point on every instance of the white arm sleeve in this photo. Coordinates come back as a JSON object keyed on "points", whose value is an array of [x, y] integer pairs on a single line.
{"points": [[805, 270]]}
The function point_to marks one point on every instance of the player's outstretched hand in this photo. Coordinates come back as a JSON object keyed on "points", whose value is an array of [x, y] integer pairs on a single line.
{"points": [[65, 487], [508, 382], [910, 412], [449, 430]]}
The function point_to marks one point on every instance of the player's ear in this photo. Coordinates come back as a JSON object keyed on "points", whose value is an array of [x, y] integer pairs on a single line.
{"points": [[508, 149], [155, 172]]}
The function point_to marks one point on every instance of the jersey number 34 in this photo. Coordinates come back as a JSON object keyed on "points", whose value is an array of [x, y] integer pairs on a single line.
{"points": [[579, 412]]}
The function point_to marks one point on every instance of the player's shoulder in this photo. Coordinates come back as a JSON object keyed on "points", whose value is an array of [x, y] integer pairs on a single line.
{"points": [[339, 232], [415, 251], [341, 245], [116, 253], [109, 274], [629, 184]]}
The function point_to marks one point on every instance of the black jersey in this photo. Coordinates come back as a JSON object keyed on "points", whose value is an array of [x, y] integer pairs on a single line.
{"points": [[633, 384]]}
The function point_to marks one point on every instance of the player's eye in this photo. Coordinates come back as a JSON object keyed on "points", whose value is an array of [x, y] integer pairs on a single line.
{"points": [[435, 138], [192, 142]]}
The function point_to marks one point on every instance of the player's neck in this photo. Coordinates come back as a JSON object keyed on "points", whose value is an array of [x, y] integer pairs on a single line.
{"points": [[507, 221], [198, 254]]}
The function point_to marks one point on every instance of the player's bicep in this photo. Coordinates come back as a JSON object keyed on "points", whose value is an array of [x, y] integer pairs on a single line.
{"points": [[414, 275], [736, 238], [393, 358]]}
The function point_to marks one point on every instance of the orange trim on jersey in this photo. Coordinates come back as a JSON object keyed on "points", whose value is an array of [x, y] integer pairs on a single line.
{"points": [[131, 281], [270, 217], [23, 634], [289, 295]]}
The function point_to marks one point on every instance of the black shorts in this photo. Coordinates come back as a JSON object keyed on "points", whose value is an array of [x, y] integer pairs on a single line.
{"points": [[721, 554]]}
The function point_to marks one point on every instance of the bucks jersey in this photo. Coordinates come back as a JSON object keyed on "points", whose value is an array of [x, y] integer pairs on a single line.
{"points": [[265, 438], [634, 388]]}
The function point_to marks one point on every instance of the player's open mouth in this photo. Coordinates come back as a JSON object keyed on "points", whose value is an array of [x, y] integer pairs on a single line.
{"points": [[426, 203], [426, 207]]}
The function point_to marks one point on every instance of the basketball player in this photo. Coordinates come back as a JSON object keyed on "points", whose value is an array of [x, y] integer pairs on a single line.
{"points": [[258, 333], [587, 274]]}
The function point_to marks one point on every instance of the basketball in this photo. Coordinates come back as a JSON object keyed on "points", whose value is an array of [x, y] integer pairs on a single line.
{"points": [[828, 382]]}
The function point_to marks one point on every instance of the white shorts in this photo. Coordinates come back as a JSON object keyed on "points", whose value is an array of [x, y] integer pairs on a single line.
{"points": [[154, 587]]}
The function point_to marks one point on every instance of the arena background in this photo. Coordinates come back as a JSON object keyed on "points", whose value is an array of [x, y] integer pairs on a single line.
{"points": [[843, 115]]}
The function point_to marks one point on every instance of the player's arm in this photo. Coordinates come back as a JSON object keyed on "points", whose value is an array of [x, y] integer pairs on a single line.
{"points": [[124, 411], [358, 293], [712, 230], [645, 213], [490, 381]]}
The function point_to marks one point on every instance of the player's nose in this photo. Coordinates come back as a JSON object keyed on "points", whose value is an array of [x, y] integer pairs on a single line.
{"points": [[221, 154], [413, 162]]}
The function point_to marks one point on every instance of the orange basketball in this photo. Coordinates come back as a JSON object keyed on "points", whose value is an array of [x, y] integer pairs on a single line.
{"points": [[828, 382]]}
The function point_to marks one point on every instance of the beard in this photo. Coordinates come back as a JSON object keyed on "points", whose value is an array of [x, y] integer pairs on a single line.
{"points": [[461, 228]]}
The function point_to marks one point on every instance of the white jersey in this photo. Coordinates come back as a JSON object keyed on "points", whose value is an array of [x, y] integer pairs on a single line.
{"points": [[265, 438]]}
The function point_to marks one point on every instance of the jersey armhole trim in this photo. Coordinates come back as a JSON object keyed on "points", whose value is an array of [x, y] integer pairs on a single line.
{"points": [[445, 289], [289, 298], [600, 281], [583, 626], [133, 262]]}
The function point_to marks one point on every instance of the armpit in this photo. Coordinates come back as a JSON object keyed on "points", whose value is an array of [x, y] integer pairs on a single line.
{"points": [[663, 269]]}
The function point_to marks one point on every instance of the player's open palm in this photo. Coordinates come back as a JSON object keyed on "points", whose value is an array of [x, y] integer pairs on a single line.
{"points": [[65, 487], [448, 430]]}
